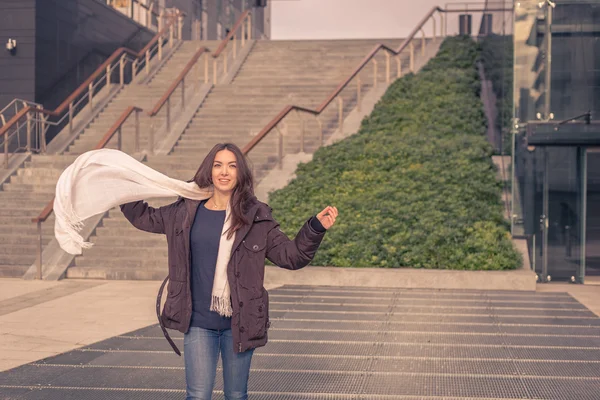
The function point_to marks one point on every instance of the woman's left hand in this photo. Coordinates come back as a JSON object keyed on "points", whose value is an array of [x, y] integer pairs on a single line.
{"points": [[327, 216]]}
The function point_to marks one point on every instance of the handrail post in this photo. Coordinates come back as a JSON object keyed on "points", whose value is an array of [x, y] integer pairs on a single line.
{"points": [[279, 147], [442, 25], [301, 131], [134, 65], [243, 34], [206, 67], [341, 114], [122, 70], [215, 71], [43, 133], [151, 138], [169, 114], [71, 117], [161, 20], [147, 62], [160, 49], [180, 27], [171, 34], [387, 67], [358, 92], [137, 130], [183, 93], [225, 55], [28, 131], [398, 66], [320, 123], [374, 72], [39, 250], [91, 96], [250, 27], [412, 56], [119, 138], [6, 149], [423, 43], [434, 28], [234, 46], [108, 71]]}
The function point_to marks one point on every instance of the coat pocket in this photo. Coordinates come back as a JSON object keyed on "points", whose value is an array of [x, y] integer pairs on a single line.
{"points": [[175, 302], [259, 316]]}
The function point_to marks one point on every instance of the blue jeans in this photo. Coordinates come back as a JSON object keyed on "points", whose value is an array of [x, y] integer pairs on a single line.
{"points": [[201, 351]]}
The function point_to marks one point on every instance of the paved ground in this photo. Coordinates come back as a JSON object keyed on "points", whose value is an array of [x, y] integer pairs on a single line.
{"points": [[360, 343]]}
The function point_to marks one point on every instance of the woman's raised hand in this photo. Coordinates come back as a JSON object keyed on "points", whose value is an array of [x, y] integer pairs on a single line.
{"points": [[327, 216]]}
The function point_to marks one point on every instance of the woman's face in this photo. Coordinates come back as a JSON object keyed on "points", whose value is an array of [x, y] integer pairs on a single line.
{"points": [[224, 171]]}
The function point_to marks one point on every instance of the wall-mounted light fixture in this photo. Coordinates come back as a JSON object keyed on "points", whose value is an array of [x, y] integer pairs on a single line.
{"points": [[11, 46]]}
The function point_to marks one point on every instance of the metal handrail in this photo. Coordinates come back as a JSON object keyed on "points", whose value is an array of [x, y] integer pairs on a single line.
{"points": [[102, 75], [178, 82], [244, 23], [116, 128], [361, 66], [316, 112]]}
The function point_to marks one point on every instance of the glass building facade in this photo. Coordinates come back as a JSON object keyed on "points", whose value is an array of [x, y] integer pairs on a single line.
{"points": [[556, 137]]}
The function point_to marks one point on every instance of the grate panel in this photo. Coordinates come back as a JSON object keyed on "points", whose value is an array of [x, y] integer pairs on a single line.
{"points": [[346, 349], [563, 389], [31, 375], [372, 336], [89, 394], [307, 382], [548, 321], [309, 363], [119, 343], [442, 386], [541, 353], [13, 393], [340, 326], [122, 378], [71, 358], [141, 359], [564, 341], [475, 367], [551, 330], [566, 368], [443, 351]]}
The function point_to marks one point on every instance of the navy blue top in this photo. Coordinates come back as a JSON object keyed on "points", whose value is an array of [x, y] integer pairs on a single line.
{"points": [[205, 236]]}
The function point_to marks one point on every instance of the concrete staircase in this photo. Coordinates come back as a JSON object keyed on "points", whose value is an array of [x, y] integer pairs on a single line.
{"points": [[275, 74], [27, 192]]}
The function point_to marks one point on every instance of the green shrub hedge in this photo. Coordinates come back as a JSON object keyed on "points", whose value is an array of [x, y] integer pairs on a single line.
{"points": [[497, 58], [415, 187]]}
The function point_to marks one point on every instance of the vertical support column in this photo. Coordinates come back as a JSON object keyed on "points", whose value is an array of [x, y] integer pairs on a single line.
{"points": [[423, 43], [250, 27], [28, 131], [137, 130], [320, 123], [398, 66], [180, 27], [71, 117], [341, 114], [412, 56], [374, 73], [122, 70], [160, 48], [206, 67], [148, 62], [387, 67], [39, 250], [91, 96], [358, 92]]}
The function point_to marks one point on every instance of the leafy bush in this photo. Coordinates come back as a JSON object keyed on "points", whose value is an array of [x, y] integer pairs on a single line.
{"points": [[497, 58], [415, 186]]}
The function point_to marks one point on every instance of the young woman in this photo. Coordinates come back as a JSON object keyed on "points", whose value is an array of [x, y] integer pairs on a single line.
{"points": [[217, 250]]}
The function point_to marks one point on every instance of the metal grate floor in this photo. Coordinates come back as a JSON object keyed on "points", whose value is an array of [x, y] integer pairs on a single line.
{"points": [[330, 343]]}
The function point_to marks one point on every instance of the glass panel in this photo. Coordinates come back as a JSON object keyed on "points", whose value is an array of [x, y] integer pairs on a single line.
{"points": [[564, 212], [592, 242]]}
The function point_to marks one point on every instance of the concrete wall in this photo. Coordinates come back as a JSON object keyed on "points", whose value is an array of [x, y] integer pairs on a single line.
{"points": [[17, 72]]}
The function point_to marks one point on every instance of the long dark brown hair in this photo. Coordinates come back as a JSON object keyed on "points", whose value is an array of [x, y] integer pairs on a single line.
{"points": [[243, 193]]}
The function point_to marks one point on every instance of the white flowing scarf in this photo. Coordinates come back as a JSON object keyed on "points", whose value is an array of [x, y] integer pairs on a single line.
{"points": [[100, 180]]}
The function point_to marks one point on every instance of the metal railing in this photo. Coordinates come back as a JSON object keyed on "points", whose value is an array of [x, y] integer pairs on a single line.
{"points": [[267, 148], [33, 121], [194, 72], [331, 112], [115, 129], [228, 50]]}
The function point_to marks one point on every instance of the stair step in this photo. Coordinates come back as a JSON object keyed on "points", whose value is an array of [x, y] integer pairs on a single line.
{"points": [[13, 271], [100, 271]]}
